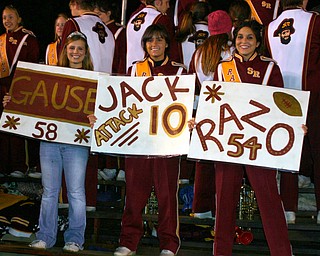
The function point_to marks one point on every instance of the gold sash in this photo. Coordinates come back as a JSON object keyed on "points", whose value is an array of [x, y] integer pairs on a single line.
{"points": [[230, 72], [143, 68], [4, 69], [52, 55]]}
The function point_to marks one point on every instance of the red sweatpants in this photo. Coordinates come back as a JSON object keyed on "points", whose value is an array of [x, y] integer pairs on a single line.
{"points": [[228, 186], [141, 175], [204, 198]]}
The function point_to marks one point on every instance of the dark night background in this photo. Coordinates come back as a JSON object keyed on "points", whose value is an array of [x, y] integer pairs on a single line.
{"points": [[39, 15]]}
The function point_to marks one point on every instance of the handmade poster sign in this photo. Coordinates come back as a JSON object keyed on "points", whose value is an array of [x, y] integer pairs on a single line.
{"points": [[250, 124], [143, 115], [51, 103]]}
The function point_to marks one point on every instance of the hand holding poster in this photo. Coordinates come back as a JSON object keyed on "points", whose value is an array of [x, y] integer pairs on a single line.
{"points": [[51, 103], [250, 124], [143, 115]]}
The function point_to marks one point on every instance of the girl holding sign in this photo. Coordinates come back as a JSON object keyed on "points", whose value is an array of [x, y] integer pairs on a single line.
{"points": [[248, 40], [58, 158], [142, 173]]}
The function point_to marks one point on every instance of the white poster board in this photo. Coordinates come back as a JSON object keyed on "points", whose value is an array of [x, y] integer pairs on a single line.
{"points": [[250, 124], [143, 115]]}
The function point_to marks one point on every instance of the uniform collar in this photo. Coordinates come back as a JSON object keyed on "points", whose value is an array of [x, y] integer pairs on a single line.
{"points": [[89, 13], [19, 28], [239, 57], [165, 61]]}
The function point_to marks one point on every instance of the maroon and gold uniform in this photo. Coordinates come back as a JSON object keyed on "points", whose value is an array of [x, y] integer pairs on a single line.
{"points": [[264, 11], [142, 173], [12, 147], [9, 44], [52, 53], [229, 176]]}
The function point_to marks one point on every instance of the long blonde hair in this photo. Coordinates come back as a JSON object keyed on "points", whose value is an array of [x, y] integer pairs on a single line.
{"points": [[60, 15], [63, 59]]}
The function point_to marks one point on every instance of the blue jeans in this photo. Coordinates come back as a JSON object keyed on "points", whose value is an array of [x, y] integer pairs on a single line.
{"points": [[72, 159]]}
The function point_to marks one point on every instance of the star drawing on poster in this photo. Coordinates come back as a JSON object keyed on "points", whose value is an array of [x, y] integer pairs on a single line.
{"points": [[82, 136], [213, 93], [11, 122]]}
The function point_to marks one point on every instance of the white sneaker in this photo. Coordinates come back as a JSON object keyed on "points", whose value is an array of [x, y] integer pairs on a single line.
{"points": [[63, 205], [318, 218], [202, 215], [72, 247], [121, 176], [91, 208], [166, 252], [36, 175], [290, 217], [38, 244], [123, 251], [183, 181], [17, 174]]}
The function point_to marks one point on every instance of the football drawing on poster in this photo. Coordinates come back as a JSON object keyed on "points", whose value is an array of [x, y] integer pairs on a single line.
{"points": [[249, 124], [143, 115], [51, 103]]}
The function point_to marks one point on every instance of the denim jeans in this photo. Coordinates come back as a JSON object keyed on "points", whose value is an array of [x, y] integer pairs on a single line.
{"points": [[56, 158]]}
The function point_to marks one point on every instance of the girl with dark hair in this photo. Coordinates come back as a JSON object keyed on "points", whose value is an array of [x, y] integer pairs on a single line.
{"points": [[160, 172], [248, 40]]}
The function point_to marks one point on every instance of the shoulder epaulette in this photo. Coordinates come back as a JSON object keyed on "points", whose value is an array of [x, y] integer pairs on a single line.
{"points": [[28, 32], [177, 64], [264, 58]]}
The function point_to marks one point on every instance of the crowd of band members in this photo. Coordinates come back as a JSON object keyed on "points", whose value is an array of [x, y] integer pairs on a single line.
{"points": [[194, 28]]}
